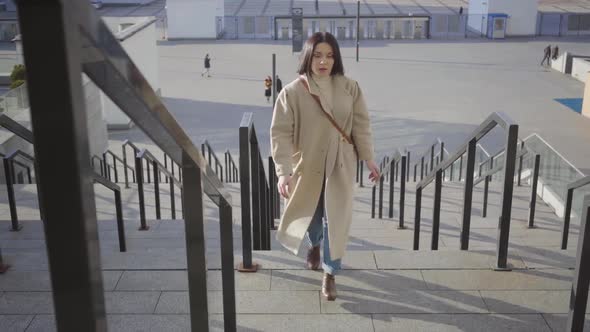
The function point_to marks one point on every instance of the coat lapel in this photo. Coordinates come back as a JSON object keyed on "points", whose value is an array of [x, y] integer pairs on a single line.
{"points": [[315, 90]]}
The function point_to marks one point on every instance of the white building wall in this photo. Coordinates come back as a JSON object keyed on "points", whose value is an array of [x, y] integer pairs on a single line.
{"points": [[193, 19], [142, 49], [522, 15]]}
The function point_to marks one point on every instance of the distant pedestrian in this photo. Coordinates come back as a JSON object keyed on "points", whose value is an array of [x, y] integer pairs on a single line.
{"points": [[461, 10], [207, 66], [268, 88], [279, 85], [547, 56], [555, 52]]}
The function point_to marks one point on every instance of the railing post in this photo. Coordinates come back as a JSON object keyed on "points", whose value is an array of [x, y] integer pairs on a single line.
{"points": [[120, 221], [468, 195], [272, 186], [357, 170], [125, 168], [396, 171], [520, 164], [227, 178], [373, 196], [66, 190], [140, 193], [402, 196], [172, 198], [452, 168], [579, 291], [362, 173], [147, 165], [436, 209], [507, 189], [431, 158], [491, 166], [417, 218], [156, 189], [105, 167], [533, 202], [391, 187], [415, 171], [256, 188], [195, 244], [421, 168], [8, 171], [566, 218], [264, 217], [484, 210], [381, 179], [227, 266], [460, 167], [245, 186], [115, 169], [408, 166]]}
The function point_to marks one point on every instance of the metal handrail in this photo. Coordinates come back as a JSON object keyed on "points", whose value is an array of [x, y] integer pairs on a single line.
{"points": [[15, 127], [211, 153], [147, 155], [123, 162], [568, 207], [498, 154], [469, 147], [391, 173], [579, 290], [88, 43], [498, 167], [555, 151], [231, 170], [118, 207], [24, 155], [420, 161], [100, 162]]}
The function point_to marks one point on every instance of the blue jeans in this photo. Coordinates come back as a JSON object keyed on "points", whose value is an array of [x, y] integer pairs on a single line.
{"points": [[318, 230]]}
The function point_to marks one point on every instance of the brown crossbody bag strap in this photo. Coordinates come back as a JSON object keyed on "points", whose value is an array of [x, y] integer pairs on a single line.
{"points": [[328, 116]]}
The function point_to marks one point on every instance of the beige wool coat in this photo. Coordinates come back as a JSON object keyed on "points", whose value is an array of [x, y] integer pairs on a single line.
{"points": [[306, 145]]}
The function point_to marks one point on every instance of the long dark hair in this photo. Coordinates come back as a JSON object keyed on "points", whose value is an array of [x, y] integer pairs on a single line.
{"points": [[309, 47]]}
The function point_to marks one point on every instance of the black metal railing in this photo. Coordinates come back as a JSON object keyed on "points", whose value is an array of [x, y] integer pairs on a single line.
{"points": [[115, 169], [469, 147], [9, 173], [389, 172], [255, 196], [214, 162], [81, 41], [581, 281], [158, 169], [426, 160], [231, 170], [118, 208], [568, 208], [274, 197]]}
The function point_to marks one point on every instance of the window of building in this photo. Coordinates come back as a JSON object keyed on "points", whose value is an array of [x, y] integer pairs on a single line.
{"points": [[249, 24]]}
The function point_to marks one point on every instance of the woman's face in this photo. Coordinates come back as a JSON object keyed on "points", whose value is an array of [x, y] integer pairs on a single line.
{"points": [[322, 60]]}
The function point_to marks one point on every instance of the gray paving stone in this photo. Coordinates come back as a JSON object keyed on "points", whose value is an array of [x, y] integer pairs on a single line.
{"points": [[459, 323], [534, 301], [441, 259], [151, 259], [558, 322], [42, 323], [153, 323], [153, 281], [14, 323], [131, 302], [40, 280], [26, 303], [497, 280], [412, 301], [296, 322], [247, 302], [348, 280], [540, 258], [259, 281]]}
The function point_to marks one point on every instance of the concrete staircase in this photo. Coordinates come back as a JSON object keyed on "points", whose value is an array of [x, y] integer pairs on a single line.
{"points": [[384, 285]]}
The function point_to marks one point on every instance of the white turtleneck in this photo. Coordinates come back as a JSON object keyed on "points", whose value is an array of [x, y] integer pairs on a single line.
{"points": [[324, 83]]}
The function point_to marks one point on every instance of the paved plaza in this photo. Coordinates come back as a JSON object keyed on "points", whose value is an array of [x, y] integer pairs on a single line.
{"points": [[416, 91]]}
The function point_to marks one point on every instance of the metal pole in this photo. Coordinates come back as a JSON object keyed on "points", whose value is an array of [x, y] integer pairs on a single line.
{"points": [[579, 291], [373, 194], [8, 171], [172, 199], [533, 203], [157, 190], [431, 158], [139, 171], [417, 218], [402, 195], [381, 179], [391, 188], [274, 79], [195, 244], [484, 210], [362, 173], [244, 161], [120, 222], [65, 187], [436, 210], [460, 167], [227, 266], [468, 195], [566, 218], [358, 23], [507, 189], [408, 167]]}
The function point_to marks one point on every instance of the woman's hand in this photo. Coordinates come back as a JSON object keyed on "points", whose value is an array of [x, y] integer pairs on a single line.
{"points": [[374, 176], [284, 185]]}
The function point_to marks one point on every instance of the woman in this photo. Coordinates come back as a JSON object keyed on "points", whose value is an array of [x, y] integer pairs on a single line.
{"points": [[315, 120], [267, 88]]}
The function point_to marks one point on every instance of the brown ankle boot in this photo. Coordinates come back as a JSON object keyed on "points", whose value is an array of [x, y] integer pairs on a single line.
{"points": [[313, 258], [329, 287]]}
